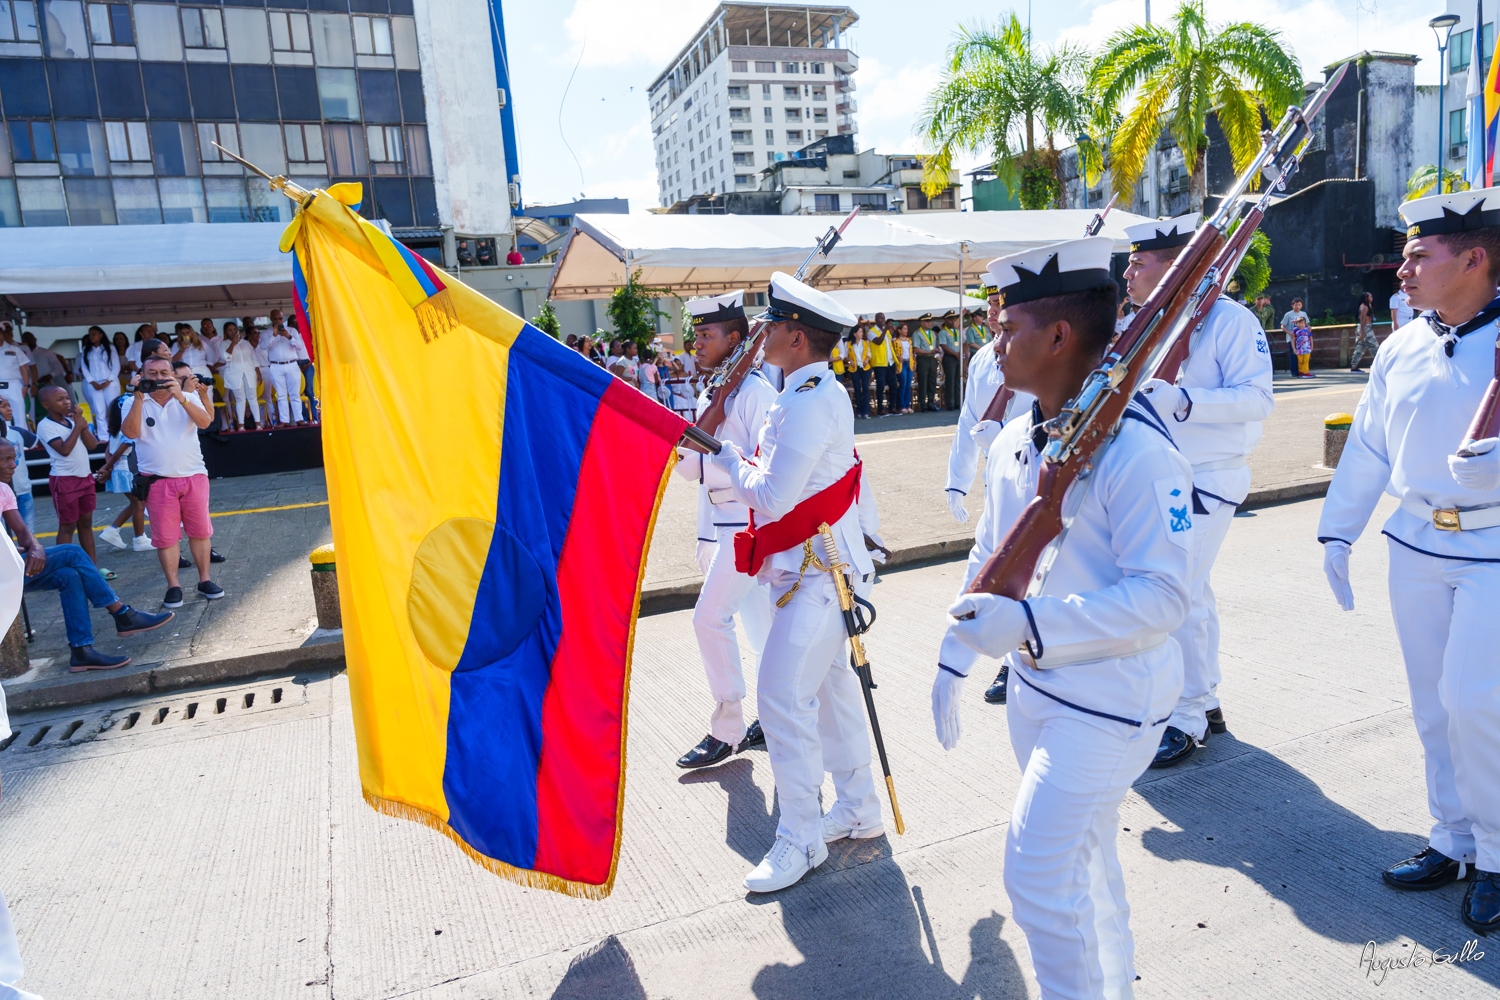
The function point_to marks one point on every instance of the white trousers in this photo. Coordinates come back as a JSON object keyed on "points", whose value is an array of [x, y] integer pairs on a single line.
{"points": [[99, 400], [287, 380], [812, 711], [727, 592], [10, 958], [1198, 635], [1062, 871], [1445, 618], [239, 384]]}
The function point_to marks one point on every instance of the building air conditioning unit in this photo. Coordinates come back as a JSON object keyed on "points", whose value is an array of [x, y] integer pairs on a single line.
{"points": [[515, 194]]}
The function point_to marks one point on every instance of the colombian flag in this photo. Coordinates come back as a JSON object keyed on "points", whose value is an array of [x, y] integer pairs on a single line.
{"points": [[1491, 117], [492, 496]]}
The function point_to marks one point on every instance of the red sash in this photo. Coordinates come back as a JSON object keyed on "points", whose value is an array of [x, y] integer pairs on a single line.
{"points": [[756, 544]]}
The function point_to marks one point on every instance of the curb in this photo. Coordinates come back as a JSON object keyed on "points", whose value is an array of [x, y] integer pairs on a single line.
{"points": [[682, 596], [147, 678]]}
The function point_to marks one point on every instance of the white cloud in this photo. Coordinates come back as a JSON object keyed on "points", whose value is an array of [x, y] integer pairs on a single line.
{"points": [[614, 33], [890, 101]]}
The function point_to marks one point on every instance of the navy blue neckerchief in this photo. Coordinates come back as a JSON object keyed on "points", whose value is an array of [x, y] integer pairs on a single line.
{"points": [[1452, 334]]}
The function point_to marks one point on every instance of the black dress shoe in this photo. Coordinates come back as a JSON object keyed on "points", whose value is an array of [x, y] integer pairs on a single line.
{"points": [[755, 739], [1428, 870], [1481, 909], [708, 752], [215, 557], [1176, 747], [995, 693], [1216, 724]]}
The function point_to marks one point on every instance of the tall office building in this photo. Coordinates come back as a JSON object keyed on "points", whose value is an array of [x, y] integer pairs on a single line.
{"points": [[112, 111], [757, 82]]}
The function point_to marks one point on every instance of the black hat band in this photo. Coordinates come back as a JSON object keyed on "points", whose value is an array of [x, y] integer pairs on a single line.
{"points": [[1051, 281], [721, 315], [1455, 222], [1163, 241]]}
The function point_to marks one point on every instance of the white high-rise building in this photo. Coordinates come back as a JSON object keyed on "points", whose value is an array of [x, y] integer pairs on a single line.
{"points": [[757, 82]]}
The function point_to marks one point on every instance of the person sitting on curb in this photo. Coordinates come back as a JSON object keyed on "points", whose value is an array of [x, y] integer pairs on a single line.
{"points": [[68, 570]]}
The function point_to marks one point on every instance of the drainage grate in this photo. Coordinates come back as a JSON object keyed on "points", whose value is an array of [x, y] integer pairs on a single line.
{"points": [[187, 710]]}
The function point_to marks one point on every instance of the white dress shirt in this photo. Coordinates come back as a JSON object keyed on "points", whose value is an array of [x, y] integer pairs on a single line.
{"points": [[718, 508]]}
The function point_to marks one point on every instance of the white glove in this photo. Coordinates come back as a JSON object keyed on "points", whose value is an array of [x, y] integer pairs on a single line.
{"points": [[946, 689], [956, 505], [1480, 472], [1336, 568], [998, 626], [985, 432], [705, 555], [1168, 399], [728, 458]]}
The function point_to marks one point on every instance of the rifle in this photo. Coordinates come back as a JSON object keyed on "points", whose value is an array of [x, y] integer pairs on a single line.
{"points": [[856, 626], [1087, 424], [1487, 418], [1223, 269], [737, 365], [1000, 401]]}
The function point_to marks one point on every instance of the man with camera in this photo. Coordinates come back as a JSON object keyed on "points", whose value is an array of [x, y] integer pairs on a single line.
{"points": [[165, 411]]}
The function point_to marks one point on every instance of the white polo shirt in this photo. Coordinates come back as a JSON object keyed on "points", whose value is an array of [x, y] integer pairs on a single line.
{"points": [[75, 462], [12, 358], [279, 349], [168, 442]]}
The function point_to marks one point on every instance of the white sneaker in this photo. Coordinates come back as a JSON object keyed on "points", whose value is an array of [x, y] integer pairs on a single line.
{"points": [[834, 830], [141, 543], [784, 865], [111, 534]]}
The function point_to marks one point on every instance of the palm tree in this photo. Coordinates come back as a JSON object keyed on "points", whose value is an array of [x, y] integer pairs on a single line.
{"points": [[1424, 179], [1176, 74], [996, 93]]}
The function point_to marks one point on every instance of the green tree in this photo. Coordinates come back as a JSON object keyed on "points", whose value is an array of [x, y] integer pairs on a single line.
{"points": [[1172, 75], [547, 322], [1424, 179], [996, 94], [1254, 272], [632, 309]]}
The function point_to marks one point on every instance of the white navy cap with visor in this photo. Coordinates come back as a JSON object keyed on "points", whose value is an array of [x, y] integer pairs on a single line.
{"points": [[789, 298], [1163, 235], [1460, 211]]}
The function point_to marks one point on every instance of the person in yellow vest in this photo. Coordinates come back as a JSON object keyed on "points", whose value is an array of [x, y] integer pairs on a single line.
{"points": [[906, 360], [924, 343], [883, 364], [857, 364]]}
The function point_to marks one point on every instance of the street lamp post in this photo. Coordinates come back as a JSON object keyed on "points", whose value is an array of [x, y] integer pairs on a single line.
{"points": [[1442, 27]]}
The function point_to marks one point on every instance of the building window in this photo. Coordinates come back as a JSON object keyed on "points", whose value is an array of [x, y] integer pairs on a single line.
{"points": [[790, 68], [202, 28], [67, 38], [820, 93], [794, 136], [338, 95], [825, 203], [1458, 133], [791, 93], [767, 112], [740, 138], [387, 151], [1461, 45], [136, 203], [739, 92], [372, 36], [225, 135], [793, 115], [770, 137], [289, 32], [32, 142], [875, 201], [744, 159], [738, 66], [174, 150], [822, 133], [739, 115], [109, 24], [345, 146], [128, 141], [304, 144], [741, 180], [820, 115], [816, 67], [916, 201], [18, 21], [765, 67]]}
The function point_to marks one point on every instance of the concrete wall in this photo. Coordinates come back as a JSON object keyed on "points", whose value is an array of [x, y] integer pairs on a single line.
{"points": [[1389, 154], [463, 116]]}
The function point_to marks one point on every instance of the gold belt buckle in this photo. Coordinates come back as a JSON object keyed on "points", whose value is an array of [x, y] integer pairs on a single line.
{"points": [[1446, 520], [1027, 658]]}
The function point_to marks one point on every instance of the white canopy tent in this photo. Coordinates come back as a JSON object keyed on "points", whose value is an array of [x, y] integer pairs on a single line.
{"points": [[76, 275], [707, 254], [904, 303]]}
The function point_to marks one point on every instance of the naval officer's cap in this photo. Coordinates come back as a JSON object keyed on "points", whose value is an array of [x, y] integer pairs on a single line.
{"points": [[718, 308], [1458, 212], [791, 299], [1057, 269], [1163, 235]]}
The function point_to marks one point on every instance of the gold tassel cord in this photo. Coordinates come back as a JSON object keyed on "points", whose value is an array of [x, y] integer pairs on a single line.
{"points": [[436, 315]]}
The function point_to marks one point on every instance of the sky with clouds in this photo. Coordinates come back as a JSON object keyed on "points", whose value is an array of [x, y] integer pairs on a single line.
{"points": [[580, 68]]}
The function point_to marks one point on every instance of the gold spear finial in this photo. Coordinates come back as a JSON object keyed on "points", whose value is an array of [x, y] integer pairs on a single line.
{"points": [[280, 183]]}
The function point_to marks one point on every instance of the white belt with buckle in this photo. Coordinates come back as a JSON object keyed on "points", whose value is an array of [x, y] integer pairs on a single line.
{"points": [[725, 495], [1238, 462], [1116, 652], [1453, 518]]}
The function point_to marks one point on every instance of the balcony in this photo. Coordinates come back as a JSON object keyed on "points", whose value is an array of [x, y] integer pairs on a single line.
{"points": [[843, 82], [846, 106], [850, 129], [844, 61], [745, 138]]}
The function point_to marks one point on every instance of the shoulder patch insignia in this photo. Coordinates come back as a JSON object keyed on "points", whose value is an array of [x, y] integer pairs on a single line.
{"points": [[1175, 501], [811, 383]]}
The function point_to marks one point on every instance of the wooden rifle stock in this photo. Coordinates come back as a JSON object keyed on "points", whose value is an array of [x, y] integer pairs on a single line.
{"points": [[1227, 262], [1009, 570], [1487, 418]]}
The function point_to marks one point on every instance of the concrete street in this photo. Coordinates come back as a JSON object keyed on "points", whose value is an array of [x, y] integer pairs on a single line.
{"points": [[208, 844]]}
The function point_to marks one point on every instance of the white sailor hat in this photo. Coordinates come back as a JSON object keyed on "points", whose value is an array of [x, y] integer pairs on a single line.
{"points": [[1163, 235], [791, 299], [1451, 213], [1058, 269], [718, 308]]}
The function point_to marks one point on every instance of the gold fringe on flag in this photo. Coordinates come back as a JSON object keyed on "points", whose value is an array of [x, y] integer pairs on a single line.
{"points": [[436, 315]]}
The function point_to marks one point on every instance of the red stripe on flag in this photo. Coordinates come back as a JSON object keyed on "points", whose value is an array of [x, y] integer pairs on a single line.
{"points": [[580, 776]]}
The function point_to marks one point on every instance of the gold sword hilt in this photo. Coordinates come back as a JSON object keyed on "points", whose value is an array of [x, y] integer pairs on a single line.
{"points": [[292, 190]]}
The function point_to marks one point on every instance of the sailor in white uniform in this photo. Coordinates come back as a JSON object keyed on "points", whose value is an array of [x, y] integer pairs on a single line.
{"points": [[12, 583], [972, 438], [1097, 667], [1444, 542], [1215, 409], [719, 326], [806, 473]]}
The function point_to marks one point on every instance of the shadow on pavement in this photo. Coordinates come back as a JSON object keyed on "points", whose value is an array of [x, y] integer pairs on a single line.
{"points": [[749, 827], [865, 939], [1253, 813], [605, 970]]}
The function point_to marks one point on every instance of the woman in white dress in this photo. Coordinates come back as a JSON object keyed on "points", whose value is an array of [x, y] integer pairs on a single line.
{"points": [[239, 374], [100, 367]]}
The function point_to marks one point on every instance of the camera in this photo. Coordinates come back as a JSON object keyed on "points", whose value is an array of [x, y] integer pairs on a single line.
{"points": [[150, 385]]}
